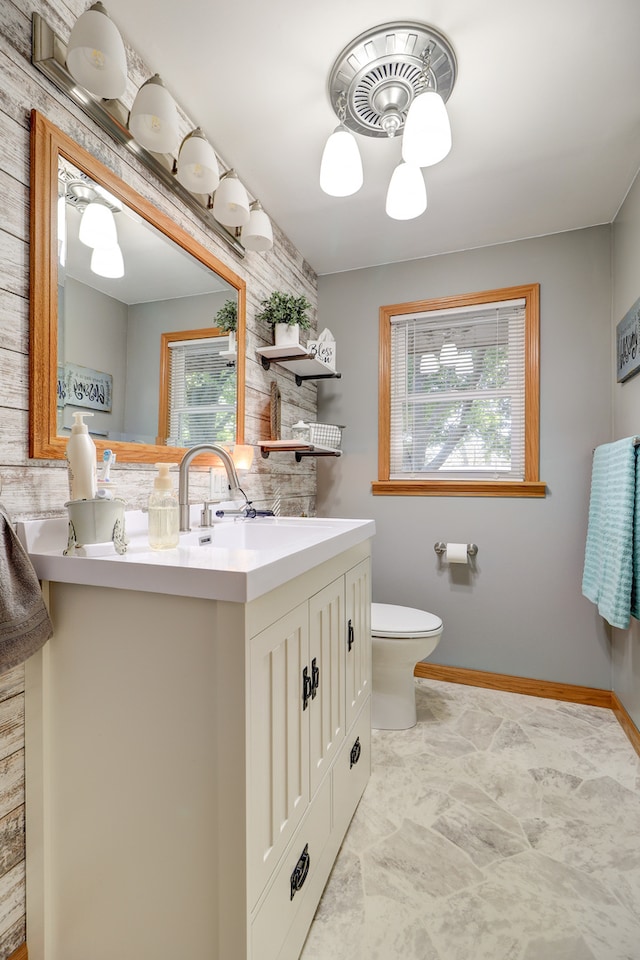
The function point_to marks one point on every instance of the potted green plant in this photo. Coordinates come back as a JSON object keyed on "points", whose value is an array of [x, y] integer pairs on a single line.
{"points": [[226, 319], [287, 315]]}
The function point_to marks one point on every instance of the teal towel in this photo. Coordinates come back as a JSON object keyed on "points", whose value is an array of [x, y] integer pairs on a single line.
{"points": [[609, 556]]}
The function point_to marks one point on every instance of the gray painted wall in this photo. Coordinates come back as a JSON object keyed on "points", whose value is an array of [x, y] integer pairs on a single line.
{"points": [[626, 421], [520, 611]]}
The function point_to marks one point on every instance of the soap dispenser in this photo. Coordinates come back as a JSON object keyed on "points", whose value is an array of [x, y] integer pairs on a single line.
{"points": [[81, 454], [164, 513]]}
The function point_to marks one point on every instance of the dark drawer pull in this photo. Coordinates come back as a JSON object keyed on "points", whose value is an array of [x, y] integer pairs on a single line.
{"points": [[356, 750], [300, 871], [315, 678], [307, 688], [350, 636]]}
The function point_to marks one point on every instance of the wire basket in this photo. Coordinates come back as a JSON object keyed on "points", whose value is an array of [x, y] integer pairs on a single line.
{"points": [[326, 435]]}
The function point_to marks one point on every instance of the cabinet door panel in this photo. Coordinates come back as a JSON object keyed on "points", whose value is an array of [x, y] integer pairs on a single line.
{"points": [[326, 653], [358, 615], [279, 731]]}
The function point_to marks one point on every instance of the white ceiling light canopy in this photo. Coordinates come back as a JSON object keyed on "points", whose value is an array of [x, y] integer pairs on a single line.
{"points": [[197, 168], [96, 58], [153, 120], [257, 234], [392, 80]]}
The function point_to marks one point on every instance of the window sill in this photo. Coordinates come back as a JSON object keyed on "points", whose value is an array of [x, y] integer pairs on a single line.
{"points": [[458, 488]]}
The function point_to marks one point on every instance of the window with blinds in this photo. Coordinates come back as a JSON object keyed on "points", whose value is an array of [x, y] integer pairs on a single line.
{"points": [[459, 395], [202, 392]]}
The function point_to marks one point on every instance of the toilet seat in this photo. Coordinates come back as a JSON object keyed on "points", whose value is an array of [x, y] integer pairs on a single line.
{"points": [[402, 623]]}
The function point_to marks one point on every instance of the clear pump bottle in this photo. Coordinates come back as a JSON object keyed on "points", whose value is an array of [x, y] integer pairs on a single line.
{"points": [[164, 513]]}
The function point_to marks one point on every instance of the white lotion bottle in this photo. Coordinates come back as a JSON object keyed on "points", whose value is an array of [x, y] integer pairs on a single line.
{"points": [[81, 454], [164, 513]]}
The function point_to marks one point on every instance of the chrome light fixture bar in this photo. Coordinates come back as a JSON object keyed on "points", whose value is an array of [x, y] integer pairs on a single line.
{"points": [[48, 55]]}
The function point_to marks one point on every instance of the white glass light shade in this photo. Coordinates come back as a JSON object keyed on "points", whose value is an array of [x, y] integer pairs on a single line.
{"points": [[257, 234], [62, 230], [230, 202], [98, 226], [108, 262], [427, 132], [153, 120], [96, 56], [448, 354], [197, 164], [341, 166], [407, 193]]}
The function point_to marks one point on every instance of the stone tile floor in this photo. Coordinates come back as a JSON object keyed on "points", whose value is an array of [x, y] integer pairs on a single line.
{"points": [[501, 827]]}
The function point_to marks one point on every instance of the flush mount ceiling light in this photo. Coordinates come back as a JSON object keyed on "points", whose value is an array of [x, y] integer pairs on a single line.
{"points": [[96, 57], [392, 80]]}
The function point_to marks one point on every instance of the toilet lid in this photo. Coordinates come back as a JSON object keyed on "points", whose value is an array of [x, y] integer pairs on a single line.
{"points": [[389, 620]]}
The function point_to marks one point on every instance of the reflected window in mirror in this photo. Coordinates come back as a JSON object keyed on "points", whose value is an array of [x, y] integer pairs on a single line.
{"points": [[98, 319], [198, 388]]}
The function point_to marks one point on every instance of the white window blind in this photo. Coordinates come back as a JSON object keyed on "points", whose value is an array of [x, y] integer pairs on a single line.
{"points": [[458, 393], [202, 393]]}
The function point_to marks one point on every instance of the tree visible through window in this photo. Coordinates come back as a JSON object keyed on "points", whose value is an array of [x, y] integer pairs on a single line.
{"points": [[459, 396]]}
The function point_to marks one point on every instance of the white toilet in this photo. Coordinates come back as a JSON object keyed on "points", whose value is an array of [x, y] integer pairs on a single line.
{"points": [[400, 637]]}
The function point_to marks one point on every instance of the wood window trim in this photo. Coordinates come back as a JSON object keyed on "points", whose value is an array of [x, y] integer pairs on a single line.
{"points": [[531, 486]]}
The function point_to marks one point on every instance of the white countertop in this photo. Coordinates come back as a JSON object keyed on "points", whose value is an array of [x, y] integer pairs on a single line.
{"points": [[243, 560]]}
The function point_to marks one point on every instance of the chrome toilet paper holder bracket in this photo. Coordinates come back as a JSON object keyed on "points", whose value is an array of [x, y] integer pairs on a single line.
{"points": [[440, 548]]}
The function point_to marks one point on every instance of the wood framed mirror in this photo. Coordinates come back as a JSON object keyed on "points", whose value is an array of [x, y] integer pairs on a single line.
{"points": [[96, 340]]}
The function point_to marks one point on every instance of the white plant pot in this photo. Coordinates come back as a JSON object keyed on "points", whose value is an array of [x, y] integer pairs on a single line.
{"points": [[287, 334], [232, 341]]}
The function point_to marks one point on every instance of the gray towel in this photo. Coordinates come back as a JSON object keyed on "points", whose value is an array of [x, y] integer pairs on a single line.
{"points": [[24, 620]]}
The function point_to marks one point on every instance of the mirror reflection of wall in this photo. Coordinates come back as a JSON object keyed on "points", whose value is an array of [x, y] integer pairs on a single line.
{"points": [[110, 328]]}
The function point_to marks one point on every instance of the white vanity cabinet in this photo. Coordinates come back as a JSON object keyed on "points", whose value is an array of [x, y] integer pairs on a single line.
{"points": [[193, 765]]}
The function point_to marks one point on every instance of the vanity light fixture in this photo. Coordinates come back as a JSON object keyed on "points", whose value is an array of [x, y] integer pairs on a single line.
{"points": [[230, 201], [152, 133], [108, 262], [98, 226], [390, 81], [257, 234], [197, 166], [153, 120], [96, 57]]}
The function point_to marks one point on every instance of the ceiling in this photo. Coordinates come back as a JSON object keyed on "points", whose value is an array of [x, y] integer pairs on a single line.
{"points": [[545, 115]]}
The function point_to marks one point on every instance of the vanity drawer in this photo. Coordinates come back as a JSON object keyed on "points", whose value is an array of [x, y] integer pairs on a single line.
{"points": [[351, 770], [295, 881]]}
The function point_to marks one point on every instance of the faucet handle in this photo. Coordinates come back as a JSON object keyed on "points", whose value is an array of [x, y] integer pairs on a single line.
{"points": [[206, 518]]}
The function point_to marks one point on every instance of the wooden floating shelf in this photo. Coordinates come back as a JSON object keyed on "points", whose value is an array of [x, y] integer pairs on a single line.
{"points": [[301, 449], [296, 359]]}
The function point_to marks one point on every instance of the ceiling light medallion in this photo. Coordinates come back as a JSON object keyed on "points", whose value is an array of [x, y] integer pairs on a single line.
{"points": [[393, 80]]}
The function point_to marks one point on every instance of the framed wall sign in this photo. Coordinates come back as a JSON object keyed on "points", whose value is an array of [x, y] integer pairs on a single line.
{"points": [[628, 344]]}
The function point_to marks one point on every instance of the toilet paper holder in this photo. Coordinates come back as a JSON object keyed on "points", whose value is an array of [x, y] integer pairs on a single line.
{"points": [[440, 548]]}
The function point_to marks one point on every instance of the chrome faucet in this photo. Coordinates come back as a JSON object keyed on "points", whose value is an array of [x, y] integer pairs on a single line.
{"points": [[183, 478]]}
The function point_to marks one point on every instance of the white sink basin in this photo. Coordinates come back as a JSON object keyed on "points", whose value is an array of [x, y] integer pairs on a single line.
{"points": [[235, 559]]}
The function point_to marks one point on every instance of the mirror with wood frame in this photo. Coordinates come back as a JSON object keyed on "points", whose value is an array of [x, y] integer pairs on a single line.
{"points": [[105, 332]]}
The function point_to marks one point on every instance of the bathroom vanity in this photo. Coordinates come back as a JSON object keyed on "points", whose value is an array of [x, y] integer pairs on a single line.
{"points": [[198, 738]]}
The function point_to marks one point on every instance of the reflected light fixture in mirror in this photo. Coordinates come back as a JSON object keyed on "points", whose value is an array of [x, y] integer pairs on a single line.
{"points": [[96, 56], [50, 149], [108, 262], [98, 226]]}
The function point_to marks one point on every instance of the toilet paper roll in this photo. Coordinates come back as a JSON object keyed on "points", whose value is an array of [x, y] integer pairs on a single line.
{"points": [[457, 553]]}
